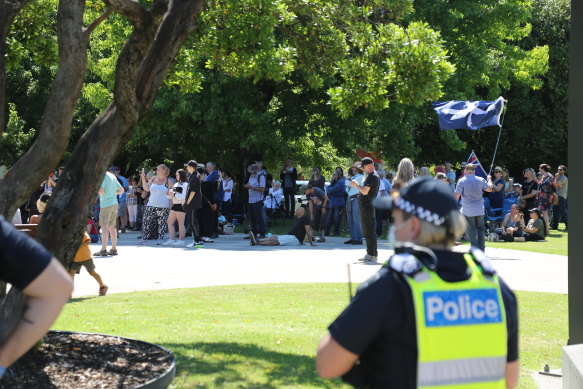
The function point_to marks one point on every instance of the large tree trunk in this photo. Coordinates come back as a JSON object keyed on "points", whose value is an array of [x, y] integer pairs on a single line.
{"points": [[8, 10], [142, 65], [158, 35]]}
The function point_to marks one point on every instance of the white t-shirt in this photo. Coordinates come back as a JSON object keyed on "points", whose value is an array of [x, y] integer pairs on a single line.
{"points": [[158, 197], [227, 185]]}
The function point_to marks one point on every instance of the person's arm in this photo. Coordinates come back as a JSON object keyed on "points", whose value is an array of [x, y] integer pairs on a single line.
{"points": [[362, 189], [498, 188], [324, 203], [489, 184], [333, 360], [146, 184], [46, 295], [505, 222], [512, 373], [261, 188], [309, 234]]}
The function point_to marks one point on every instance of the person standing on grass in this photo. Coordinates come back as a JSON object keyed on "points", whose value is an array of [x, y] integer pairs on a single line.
{"points": [[108, 192], [288, 177], [431, 317], [560, 210], [367, 193]]}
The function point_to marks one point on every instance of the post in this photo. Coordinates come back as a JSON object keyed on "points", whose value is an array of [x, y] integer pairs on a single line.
{"points": [[575, 176]]}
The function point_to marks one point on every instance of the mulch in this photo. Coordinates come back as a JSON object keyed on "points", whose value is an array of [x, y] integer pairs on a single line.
{"points": [[83, 361]]}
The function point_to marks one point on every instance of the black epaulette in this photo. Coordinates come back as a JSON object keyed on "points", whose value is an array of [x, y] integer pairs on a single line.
{"points": [[410, 259], [483, 262]]}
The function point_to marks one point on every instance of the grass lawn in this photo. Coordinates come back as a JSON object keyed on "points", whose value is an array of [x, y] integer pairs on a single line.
{"points": [[556, 243], [265, 336]]}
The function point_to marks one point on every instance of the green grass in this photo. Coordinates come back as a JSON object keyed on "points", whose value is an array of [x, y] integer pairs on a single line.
{"points": [[556, 243], [265, 336]]}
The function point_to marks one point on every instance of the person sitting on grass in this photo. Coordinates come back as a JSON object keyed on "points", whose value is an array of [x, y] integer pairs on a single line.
{"points": [[296, 234], [84, 259], [536, 230], [514, 227]]}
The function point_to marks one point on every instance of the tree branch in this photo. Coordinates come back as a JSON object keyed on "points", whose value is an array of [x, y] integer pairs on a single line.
{"points": [[97, 22], [131, 9]]}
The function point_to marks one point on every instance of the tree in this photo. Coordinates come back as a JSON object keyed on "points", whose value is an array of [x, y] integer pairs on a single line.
{"points": [[157, 34]]}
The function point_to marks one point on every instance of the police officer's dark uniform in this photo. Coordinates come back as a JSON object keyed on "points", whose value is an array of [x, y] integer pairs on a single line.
{"points": [[380, 323]]}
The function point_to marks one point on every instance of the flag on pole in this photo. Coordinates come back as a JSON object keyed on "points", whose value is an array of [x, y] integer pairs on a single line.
{"points": [[468, 115], [473, 159]]}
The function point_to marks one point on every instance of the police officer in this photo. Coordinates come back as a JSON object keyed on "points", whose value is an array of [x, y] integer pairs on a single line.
{"points": [[431, 317]]}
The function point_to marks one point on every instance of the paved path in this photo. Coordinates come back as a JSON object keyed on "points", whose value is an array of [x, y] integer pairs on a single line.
{"points": [[230, 260]]}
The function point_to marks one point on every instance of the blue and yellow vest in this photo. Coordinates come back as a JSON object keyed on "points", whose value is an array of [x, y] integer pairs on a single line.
{"points": [[461, 326]]}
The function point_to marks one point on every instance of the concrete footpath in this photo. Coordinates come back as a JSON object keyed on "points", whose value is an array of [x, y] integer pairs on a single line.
{"points": [[231, 260]]}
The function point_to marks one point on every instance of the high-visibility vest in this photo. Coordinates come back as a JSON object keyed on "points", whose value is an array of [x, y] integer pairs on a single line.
{"points": [[461, 326]]}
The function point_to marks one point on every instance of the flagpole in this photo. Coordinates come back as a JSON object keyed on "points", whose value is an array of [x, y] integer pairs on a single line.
{"points": [[498, 141]]}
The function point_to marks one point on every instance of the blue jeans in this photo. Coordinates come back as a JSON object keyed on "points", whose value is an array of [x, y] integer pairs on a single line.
{"points": [[560, 211], [475, 231], [258, 225], [334, 214], [353, 217]]}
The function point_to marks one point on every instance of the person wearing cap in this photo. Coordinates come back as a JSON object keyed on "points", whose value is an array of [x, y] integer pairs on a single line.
{"points": [[470, 188], [256, 186], [496, 196], [431, 317], [515, 193], [450, 174], [536, 229], [367, 193]]}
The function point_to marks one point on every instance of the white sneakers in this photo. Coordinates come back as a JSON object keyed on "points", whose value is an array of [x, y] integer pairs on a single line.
{"points": [[368, 258], [178, 243], [172, 242], [168, 242]]}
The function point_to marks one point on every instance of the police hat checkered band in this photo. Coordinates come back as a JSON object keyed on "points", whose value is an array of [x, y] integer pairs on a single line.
{"points": [[419, 211]]}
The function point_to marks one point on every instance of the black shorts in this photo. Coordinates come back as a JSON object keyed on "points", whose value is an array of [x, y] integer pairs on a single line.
{"points": [[177, 208]]}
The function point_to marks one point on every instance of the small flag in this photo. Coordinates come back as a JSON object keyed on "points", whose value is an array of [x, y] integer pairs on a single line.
{"points": [[473, 159], [468, 115]]}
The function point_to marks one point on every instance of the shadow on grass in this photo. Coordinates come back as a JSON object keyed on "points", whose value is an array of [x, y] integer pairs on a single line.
{"points": [[243, 365]]}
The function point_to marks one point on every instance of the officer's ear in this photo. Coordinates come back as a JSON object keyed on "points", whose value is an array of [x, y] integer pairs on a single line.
{"points": [[414, 228]]}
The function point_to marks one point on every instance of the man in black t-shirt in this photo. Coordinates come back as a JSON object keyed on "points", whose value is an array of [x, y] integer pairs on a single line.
{"points": [[432, 342], [296, 234], [368, 192], [193, 203], [29, 267]]}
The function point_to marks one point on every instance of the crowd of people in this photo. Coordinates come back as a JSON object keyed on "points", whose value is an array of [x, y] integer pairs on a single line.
{"points": [[203, 201]]}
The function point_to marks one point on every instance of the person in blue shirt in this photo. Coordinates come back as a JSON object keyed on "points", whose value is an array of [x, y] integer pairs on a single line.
{"points": [[353, 208], [470, 189], [337, 195]]}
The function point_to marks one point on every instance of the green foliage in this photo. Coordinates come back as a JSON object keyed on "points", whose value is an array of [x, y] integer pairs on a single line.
{"points": [[15, 140]]}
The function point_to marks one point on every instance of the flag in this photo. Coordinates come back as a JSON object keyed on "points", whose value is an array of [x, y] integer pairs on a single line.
{"points": [[473, 159], [468, 115]]}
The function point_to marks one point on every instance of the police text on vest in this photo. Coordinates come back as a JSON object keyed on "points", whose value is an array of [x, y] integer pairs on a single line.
{"points": [[461, 307]]}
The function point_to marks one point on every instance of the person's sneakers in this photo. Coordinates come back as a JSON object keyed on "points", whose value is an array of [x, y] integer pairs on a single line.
{"points": [[123, 230], [321, 240], [252, 239], [168, 242], [178, 242], [112, 252], [349, 241], [191, 245], [101, 253], [368, 258], [206, 239], [103, 290], [356, 242], [199, 245]]}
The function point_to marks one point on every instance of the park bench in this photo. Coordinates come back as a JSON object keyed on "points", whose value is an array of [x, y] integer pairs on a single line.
{"points": [[28, 229]]}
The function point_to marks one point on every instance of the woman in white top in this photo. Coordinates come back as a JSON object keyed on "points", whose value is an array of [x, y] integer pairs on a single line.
{"points": [[178, 195], [227, 194], [274, 197], [158, 208]]}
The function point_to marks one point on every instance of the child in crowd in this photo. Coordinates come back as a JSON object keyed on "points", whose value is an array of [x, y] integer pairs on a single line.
{"points": [[84, 259]]}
